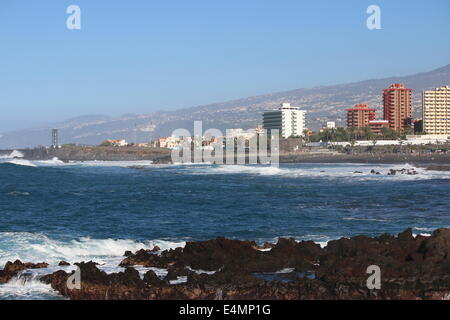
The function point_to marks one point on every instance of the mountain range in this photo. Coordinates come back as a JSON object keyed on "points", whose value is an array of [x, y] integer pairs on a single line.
{"points": [[325, 103]]}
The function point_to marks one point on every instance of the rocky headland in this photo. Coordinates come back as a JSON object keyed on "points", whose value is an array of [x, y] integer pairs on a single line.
{"points": [[412, 267], [97, 153]]}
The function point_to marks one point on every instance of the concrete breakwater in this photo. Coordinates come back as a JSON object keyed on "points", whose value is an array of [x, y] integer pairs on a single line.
{"points": [[157, 155]]}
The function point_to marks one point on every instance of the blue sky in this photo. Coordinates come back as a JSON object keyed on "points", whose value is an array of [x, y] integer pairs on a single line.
{"points": [[140, 56]]}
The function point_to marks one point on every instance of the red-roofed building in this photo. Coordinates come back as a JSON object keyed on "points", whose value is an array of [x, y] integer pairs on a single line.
{"points": [[397, 106], [359, 116]]}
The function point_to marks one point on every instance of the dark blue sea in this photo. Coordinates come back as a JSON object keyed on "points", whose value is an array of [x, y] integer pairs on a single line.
{"points": [[52, 211]]}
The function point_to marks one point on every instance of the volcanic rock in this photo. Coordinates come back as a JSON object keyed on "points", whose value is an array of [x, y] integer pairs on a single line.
{"points": [[12, 268]]}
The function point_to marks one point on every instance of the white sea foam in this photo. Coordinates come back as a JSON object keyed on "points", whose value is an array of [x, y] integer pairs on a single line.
{"points": [[55, 162], [179, 280], [356, 172], [19, 193], [200, 271], [322, 244], [365, 219], [422, 234], [21, 162], [37, 247], [424, 229], [12, 155], [18, 289], [286, 270], [52, 162], [122, 164]]}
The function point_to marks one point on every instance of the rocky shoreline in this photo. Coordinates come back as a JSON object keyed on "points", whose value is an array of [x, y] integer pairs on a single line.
{"points": [[163, 156], [412, 267]]}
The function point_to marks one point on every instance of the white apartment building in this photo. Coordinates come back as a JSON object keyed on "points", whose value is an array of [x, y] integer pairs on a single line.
{"points": [[331, 125], [289, 120], [436, 111], [241, 133]]}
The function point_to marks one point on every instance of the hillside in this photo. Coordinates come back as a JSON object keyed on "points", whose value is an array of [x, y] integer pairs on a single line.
{"points": [[322, 103]]}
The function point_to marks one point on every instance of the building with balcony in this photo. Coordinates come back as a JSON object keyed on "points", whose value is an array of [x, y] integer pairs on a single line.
{"points": [[397, 106], [359, 116], [288, 120], [436, 111]]}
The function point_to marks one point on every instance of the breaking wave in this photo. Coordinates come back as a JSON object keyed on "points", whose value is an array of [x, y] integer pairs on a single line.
{"points": [[21, 162], [37, 247], [359, 172], [12, 155]]}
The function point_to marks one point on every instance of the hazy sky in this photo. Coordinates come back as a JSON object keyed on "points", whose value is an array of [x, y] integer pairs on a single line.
{"points": [[139, 56]]}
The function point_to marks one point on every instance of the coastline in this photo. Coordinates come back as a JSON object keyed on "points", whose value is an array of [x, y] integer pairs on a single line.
{"points": [[412, 267], [163, 156]]}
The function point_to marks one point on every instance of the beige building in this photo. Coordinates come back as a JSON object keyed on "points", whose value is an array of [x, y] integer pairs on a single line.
{"points": [[436, 111]]}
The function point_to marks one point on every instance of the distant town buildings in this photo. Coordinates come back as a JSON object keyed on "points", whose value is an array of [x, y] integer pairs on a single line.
{"points": [[115, 143], [288, 120], [397, 112], [436, 110], [397, 107], [331, 125], [241, 133], [359, 116], [171, 142]]}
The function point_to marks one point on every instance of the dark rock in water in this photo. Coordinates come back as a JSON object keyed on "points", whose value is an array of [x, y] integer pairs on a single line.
{"points": [[12, 268], [292, 254], [144, 258], [213, 254], [173, 273], [406, 235], [437, 247], [392, 172], [358, 172], [411, 268], [130, 278], [90, 273], [63, 263], [127, 253], [156, 249], [150, 278]]}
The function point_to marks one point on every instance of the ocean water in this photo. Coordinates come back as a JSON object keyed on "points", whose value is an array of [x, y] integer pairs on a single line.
{"points": [[52, 211]]}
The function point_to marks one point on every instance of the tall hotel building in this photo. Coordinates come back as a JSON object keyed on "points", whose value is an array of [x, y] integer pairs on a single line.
{"points": [[360, 116], [397, 106], [436, 111], [288, 120]]}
